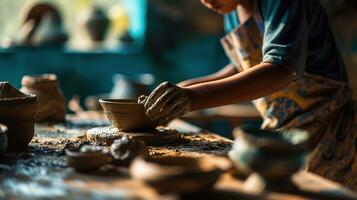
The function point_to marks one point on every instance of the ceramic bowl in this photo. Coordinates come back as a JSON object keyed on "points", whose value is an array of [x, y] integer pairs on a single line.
{"points": [[3, 139], [176, 174], [274, 155], [87, 161], [127, 115]]}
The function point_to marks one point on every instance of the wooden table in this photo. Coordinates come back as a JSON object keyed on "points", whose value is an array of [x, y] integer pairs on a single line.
{"points": [[42, 173]]}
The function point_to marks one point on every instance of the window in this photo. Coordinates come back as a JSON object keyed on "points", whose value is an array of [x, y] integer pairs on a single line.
{"points": [[123, 14]]}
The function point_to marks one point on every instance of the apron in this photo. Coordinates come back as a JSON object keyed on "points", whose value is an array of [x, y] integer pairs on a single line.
{"points": [[319, 105]]}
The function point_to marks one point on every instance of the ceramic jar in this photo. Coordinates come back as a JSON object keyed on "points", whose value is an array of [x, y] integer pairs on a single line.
{"points": [[274, 155], [17, 112], [95, 22], [52, 104]]}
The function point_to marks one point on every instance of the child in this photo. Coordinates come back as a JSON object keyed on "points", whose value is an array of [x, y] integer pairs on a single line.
{"points": [[284, 58]]}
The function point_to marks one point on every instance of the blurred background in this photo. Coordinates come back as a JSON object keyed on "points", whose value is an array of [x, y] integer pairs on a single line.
{"points": [[122, 48]]}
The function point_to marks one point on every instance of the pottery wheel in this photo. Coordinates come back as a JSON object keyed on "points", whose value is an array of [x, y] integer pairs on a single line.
{"points": [[159, 136]]}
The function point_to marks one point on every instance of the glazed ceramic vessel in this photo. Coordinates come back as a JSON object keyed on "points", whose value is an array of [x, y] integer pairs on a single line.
{"points": [[127, 115], [3, 139], [17, 112], [176, 174], [274, 155], [51, 102]]}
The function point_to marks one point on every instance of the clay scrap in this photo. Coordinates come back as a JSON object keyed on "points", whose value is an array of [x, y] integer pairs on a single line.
{"points": [[125, 149], [17, 112], [52, 103], [88, 158]]}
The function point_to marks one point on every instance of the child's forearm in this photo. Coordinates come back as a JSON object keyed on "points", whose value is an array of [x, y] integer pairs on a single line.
{"points": [[261, 80], [227, 71]]}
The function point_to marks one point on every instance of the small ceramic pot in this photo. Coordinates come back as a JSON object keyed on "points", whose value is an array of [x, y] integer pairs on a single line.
{"points": [[176, 174], [3, 139], [17, 112], [127, 115], [274, 155], [51, 102]]}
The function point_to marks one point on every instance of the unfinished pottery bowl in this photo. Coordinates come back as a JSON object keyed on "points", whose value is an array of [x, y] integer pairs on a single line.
{"points": [[87, 158], [176, 174], [17, 112], [127, 115], [51, 102], [274, 155], [3, 139]]}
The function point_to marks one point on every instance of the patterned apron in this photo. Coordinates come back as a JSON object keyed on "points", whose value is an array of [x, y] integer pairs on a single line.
{"points": [[322, 106]]}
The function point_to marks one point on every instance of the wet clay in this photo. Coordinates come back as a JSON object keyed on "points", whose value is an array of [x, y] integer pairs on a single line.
{"points": [[51, 102], [127, 115], [17, 112], [125, 149], [158, 136]]}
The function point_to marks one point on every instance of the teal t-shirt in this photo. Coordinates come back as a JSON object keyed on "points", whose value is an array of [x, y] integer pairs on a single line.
{"points": [[297, 34]]}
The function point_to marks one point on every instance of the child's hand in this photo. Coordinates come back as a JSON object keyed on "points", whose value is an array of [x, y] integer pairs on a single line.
{"points": [[167, 102]]}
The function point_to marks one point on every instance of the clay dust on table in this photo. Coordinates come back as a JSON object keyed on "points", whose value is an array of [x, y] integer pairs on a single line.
{"points": [[41, 172]]}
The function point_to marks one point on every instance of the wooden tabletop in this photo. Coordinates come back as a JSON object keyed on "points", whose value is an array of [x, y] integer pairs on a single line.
{"points": [[42, 173]]}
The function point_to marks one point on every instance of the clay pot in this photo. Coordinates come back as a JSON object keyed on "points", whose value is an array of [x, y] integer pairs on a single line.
{"points": [[3, 139], [274, 155], [127, 115], [96, 23], [17, 112], [176, 174], [52, 104]]}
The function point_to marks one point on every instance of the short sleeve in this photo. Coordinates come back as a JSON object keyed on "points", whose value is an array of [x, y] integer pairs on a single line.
{"points": [[285, 33]]}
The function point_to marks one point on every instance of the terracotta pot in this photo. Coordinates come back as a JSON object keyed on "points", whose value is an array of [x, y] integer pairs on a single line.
{"points": [[3, 139], [127, 115], [17, 112], [52, 103], [176, 174]]}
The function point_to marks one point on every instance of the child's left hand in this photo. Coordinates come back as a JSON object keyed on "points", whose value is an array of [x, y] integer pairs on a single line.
{"points": [[167, 102]]}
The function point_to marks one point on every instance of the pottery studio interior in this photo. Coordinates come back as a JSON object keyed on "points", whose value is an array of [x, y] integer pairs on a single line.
{"points": [[178, 99]]}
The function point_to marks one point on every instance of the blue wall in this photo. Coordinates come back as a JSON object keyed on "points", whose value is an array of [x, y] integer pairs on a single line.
{"points": [[91, 73]]}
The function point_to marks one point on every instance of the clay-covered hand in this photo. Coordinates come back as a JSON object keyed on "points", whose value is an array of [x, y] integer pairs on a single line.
{"points": [[167, 102]]}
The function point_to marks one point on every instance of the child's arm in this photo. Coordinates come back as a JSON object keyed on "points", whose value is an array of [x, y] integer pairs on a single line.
{"points": [[227, 71], [261, 80]]}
